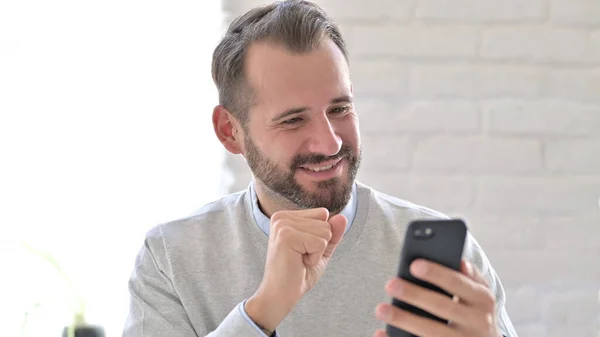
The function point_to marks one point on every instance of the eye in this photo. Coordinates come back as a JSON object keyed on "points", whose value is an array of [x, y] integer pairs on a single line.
{"points": [[340, 110], [292, 121]]}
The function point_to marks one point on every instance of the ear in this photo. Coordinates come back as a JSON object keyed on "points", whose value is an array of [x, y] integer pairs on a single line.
{"points": [[227, 129]]}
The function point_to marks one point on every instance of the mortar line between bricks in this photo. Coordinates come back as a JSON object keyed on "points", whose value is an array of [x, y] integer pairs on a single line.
{"points": [[411, 152], [404, 100], [479, 44], [413, 10], [484, 119], [462, 60], [486, 23], [379, 22], [547, 5], [543, 155]]}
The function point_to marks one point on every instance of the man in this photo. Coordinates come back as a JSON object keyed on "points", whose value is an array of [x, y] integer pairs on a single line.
{"points": [[305, 250]]}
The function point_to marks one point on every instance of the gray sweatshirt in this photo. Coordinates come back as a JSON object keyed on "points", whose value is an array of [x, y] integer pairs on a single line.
{"points": [[192, 275]]}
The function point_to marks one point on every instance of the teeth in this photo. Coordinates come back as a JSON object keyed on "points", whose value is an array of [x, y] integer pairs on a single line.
{"points": [[319, 169]]}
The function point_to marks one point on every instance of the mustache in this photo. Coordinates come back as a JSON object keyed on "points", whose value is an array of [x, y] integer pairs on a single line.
{"points": [[299, 160]]}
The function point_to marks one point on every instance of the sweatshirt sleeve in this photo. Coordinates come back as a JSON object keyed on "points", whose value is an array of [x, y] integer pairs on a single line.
{"points": [[156, 310], [474, 254], [247, 318], [237, 323]]}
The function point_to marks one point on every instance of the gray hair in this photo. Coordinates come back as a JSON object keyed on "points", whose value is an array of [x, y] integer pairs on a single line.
{"points": [[299, 25]]}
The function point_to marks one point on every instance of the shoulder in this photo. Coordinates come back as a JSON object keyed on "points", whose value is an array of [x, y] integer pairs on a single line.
{"points": [[391, 204], [403, 212], [211, 217]]}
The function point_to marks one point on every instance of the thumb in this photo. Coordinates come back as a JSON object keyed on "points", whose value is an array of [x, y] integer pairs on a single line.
{"points": [[338, 224]]}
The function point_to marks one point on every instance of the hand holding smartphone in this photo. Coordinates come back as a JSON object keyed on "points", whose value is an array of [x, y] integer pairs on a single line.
{"points": [[440, 241]]}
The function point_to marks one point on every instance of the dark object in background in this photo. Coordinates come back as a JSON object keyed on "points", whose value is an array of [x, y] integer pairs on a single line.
{"points": [[85, 331]]}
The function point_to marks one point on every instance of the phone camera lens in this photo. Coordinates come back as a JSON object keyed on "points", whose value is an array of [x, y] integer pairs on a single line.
{"points": [[423, 233]]}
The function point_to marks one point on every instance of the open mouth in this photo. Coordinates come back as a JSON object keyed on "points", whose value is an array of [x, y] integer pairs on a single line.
{"points": [[323, 170]]}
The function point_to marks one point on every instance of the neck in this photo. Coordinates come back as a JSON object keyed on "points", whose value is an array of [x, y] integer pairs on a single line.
{"points": [[270, 202]]}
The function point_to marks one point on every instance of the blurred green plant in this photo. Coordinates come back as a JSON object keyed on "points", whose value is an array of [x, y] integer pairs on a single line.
{"points": [[76, 302]]}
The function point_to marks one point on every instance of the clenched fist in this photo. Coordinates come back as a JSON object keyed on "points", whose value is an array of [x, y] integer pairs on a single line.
{"points": [[301, 244]]}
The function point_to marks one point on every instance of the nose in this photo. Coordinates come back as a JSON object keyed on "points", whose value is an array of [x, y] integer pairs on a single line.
{"points": [[323, 138]]}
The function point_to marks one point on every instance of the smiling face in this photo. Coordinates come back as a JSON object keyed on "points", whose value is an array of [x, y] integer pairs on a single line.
{"points": [[301, 141]]}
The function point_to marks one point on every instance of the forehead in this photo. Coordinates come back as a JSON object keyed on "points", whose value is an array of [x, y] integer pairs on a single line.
{"points": [[281, 79]]}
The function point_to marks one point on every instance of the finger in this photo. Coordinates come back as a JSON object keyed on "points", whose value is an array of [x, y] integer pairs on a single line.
{"points": [[467, 268], [380, 333], [320, 213], [437, 304], [311, 260], [412, 323], [454, 283], [302, 242], [338, 225], [311, 226]]}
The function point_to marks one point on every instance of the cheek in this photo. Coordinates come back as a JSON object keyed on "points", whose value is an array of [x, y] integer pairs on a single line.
{"points": [[349, 132], [282, 150]]}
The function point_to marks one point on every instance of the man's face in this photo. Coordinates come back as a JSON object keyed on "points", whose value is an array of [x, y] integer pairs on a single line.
{"points": [[302, 141]]}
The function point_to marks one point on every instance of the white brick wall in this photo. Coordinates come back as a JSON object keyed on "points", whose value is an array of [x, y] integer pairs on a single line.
{"points": [[478, 11], [425, 40], [474, 81], [489, 110], [573, 156], [538, 44], [392, 78], [575, 12], [447, 155], [512, 117], [423, 117]]}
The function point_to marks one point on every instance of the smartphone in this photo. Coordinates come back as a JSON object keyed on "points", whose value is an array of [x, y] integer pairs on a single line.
{"points": [[441, 241]]}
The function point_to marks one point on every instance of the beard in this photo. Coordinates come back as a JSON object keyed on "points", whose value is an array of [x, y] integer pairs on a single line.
{"points": [[332, 194]]}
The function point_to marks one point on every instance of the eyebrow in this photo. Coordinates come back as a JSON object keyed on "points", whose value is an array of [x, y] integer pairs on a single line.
{"points": [[293, 111]]}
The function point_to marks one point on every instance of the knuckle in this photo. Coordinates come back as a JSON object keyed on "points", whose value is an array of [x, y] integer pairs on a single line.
{"points": [[327, 234], [275, 225], [487, 323], [278, 224], [479, 277], [408, 292], [489, 301], [285, 234], [275, 216], [324, 243], [278, 216], [451, 308], [321, 244], [323, 212], [458, 283], [399, 317]]}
